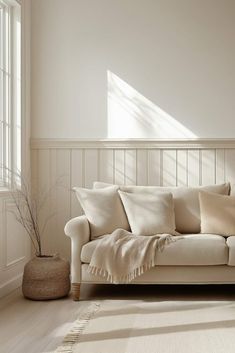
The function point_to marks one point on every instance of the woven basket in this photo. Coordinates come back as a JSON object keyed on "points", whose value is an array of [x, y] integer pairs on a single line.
{"points": [[46, 278]]}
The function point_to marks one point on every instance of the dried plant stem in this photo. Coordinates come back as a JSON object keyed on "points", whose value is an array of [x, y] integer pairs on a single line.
{"points": [[27, 209], [28, 224]]}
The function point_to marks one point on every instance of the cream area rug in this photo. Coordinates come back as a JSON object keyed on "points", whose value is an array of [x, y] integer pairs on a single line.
{"points": [[134, 326]]}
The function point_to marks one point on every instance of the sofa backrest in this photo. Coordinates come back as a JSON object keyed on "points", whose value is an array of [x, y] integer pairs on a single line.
{"points": [[186, 201]]}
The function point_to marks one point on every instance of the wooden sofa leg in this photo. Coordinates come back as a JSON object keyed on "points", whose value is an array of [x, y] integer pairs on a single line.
{"points": [[75, 291]]}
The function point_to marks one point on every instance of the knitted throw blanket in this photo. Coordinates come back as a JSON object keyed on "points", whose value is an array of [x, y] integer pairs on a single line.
{"points": [[121, 256]]}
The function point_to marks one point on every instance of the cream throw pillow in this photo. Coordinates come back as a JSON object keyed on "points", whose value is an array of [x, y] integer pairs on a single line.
{"points": [[217, 213], [103, 209], [186, 201], [149, 214]]}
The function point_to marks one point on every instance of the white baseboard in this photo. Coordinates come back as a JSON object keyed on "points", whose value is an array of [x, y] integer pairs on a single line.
{"points": [[11, 285]]}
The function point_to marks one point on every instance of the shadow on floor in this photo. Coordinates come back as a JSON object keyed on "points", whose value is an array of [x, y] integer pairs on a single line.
{"points": [[158, 292], [149, 331]]}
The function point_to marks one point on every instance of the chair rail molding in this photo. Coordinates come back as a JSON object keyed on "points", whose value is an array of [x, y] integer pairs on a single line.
{"points": [[133, 143], [80, 162]]}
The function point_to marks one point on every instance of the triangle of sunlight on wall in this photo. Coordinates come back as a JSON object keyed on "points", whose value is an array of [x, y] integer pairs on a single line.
{"points": [[131, 115]]}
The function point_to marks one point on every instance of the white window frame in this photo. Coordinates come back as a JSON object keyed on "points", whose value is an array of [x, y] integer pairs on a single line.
{"points": [[10, 91]]}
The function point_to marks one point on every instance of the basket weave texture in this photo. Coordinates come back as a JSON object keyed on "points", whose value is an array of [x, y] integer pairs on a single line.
{"points": [[46, 278]]}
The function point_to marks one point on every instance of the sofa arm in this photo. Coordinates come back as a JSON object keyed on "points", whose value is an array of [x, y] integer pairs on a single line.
{"points": [[79, 231]]}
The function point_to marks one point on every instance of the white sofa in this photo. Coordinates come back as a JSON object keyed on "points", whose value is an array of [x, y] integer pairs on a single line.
{"points": [[199, 258]]}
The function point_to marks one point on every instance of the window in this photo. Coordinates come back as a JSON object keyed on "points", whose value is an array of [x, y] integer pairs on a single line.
{"points": [[10, 90]]}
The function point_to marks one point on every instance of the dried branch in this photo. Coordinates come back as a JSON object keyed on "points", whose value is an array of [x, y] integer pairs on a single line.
{"points": [[28, 209], [19, 220]]}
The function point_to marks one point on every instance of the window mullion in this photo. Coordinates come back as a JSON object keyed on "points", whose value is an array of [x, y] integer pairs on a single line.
{"points": [[1, 95], [11, 100], [4, 110], [9, 91]]}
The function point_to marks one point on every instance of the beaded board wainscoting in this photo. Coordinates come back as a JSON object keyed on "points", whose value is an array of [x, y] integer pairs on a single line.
{"points": [[68, 163]]}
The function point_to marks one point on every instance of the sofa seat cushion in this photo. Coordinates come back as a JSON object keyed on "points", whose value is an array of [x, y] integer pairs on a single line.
{"points": [[191, 250], [231, 250]]}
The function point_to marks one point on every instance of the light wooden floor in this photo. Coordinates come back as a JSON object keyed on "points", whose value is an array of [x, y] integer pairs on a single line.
{"points": [[39, 327]]}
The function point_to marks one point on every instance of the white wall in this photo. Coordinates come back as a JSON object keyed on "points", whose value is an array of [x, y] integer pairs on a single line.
{"points": [[177, 55]]}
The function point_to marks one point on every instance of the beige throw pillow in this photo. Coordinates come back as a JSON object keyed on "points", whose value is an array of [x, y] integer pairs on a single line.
{"points": [[186, 201], [217, 213], [103, 209], [149, 214]]}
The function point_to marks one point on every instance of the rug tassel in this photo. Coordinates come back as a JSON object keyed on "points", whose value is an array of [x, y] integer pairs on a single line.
{"points": [[73, 336]]}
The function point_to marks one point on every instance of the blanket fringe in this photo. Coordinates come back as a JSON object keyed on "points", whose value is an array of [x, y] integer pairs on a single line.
{"points": [[74, 335], [127, 278]]}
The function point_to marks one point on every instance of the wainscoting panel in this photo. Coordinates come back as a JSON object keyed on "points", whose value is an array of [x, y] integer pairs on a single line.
{"points": [[119, 167], [193, 168], [14, 246], [182, 169], [59, 165], [169, 168], [106, 165], [12, 234], [130, 174], [229, 167], [220, 166], [208, 167]]}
